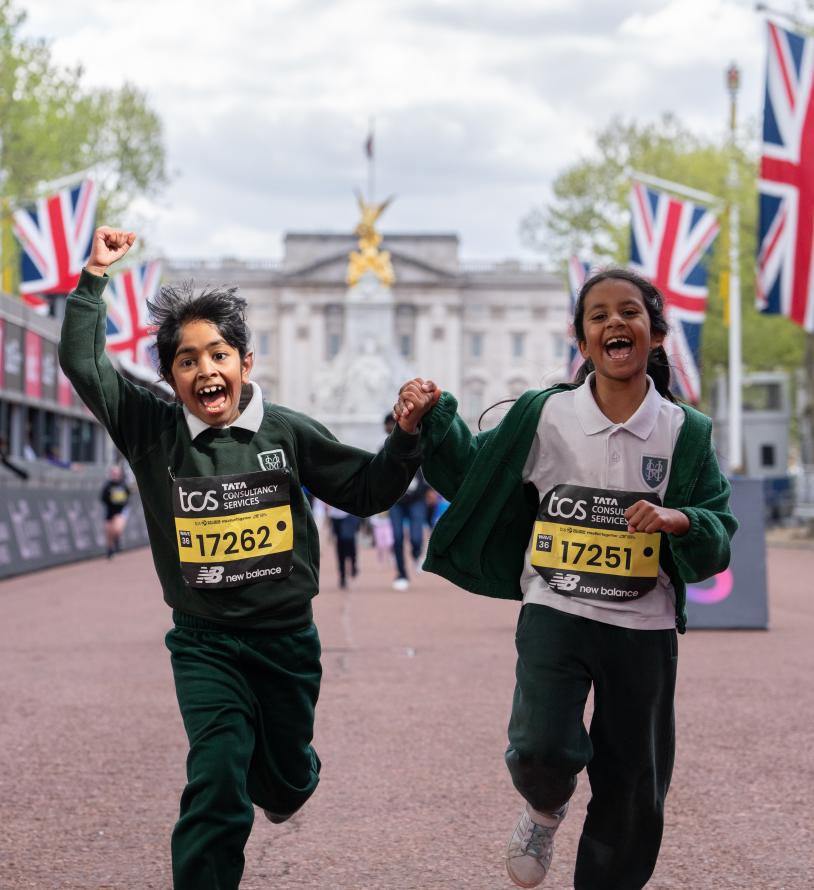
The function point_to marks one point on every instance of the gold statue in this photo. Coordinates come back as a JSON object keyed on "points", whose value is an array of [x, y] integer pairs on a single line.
{"points": [[368, 258]]}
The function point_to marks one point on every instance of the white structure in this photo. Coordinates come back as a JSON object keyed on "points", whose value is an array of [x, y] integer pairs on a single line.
{"points": [[484, 331]]}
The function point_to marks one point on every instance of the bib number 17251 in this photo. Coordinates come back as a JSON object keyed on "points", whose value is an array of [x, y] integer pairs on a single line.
{"points": [[578, 554]]}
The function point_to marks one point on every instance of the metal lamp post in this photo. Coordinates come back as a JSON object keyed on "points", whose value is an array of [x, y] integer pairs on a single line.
{"points": [[735, 357]]}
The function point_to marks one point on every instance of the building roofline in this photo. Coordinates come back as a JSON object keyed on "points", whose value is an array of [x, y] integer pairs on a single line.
{"points": [[394, 236]]}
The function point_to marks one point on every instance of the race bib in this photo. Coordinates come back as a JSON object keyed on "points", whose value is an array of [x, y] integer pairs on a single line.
{"points": [[118, 495], [234, 530], [581, 545]]}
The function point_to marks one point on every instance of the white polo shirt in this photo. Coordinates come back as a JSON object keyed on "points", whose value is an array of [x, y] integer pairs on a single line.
{"points": [[576, 444]]}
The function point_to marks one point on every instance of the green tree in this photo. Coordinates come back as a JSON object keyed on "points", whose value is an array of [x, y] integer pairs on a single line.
{"points": [[589, 216], [52, 126]]}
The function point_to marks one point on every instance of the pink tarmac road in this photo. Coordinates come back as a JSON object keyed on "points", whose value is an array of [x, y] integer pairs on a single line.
{"points": [[411, 730]]}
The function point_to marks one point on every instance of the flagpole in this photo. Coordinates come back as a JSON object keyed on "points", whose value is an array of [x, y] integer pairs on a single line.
{"points": [[371, 174], [53, 185], [735, 357], [677, 187], [5, 227]]}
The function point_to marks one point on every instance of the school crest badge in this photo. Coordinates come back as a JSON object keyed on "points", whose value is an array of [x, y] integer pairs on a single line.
{"points": [[654, 470], [272, 460]]}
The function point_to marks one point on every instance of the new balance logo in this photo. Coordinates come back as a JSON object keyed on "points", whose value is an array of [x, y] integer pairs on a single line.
{"points": [[209, 575], [559, 581]]}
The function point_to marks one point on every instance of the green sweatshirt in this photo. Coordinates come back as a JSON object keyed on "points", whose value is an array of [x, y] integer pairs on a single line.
{"points": [[154, 437], [480, 541]]}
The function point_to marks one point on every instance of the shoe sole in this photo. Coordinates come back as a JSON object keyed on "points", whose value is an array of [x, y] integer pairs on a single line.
{"points": [[518, 883]]}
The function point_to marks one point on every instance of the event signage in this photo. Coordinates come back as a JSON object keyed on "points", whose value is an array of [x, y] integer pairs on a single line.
{"points": [[40, 528], [64, 389], [49, 366], [33, 365], [737, 598], [13, 357]]}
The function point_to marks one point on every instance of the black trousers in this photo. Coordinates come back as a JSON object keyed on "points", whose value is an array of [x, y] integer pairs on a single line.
{"points": [[345, 549], [628, 750]]}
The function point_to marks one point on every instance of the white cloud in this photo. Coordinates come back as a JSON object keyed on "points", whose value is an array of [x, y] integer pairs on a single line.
{"points": [[477, 106]]}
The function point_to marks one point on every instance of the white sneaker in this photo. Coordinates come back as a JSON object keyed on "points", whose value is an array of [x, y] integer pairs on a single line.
{"points": [[529, 855], [401, 584]]}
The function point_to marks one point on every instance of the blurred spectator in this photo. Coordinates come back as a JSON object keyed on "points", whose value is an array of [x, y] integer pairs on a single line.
{"points": [[436, 505], [410, 508], [382, 530], [345, 528], [55, 460]]}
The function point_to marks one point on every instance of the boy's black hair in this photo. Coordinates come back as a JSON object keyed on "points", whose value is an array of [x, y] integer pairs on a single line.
{"points": [[658, 365], [173, 307]]}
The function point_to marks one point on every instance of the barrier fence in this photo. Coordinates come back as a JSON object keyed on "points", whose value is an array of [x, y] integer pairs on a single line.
{"points": [[47, 526], [43, 527]]}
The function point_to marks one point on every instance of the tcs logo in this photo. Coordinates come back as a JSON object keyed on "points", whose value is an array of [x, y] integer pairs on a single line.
{"points": [[196, 501], [566, 508]]}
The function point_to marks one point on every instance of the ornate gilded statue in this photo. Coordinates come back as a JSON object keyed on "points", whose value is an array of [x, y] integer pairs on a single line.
{"points": [[369, 258]]}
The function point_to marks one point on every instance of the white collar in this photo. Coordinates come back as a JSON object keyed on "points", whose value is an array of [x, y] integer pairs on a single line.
{"points": [[249, 418], [592, 420]]}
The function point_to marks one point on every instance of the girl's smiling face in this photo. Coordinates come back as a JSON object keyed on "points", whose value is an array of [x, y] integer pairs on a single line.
{"points": [[618, 334], [208, 373]]}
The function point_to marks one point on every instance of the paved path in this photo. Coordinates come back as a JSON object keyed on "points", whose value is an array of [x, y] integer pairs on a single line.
{"points": [[410, 727]]}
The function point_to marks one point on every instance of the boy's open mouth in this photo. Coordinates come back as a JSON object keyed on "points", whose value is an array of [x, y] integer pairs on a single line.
{"points": [[618, 348], [213, 398]]}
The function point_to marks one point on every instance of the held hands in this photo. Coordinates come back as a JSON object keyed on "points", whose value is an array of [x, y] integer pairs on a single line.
{"points": [[108, 245], [416, 398], [646, 517]]}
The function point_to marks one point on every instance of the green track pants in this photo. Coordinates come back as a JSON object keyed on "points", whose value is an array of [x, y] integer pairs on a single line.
{"points": [[247, 700]]}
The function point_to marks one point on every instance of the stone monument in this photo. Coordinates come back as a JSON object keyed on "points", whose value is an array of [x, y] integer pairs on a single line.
{"points": [[359, 385]]}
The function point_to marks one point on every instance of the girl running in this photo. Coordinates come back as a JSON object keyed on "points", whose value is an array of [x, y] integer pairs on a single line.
{"points": [[594, 503]]}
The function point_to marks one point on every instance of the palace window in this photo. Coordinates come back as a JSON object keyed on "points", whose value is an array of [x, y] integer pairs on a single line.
{"points": [[405, 330], [334, 320]]}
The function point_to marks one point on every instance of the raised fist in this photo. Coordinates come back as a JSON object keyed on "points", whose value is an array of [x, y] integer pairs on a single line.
{"points": [[108, 245]]}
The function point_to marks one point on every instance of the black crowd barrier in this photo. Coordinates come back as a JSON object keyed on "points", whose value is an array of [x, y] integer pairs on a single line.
{"points": [[42, 527]]}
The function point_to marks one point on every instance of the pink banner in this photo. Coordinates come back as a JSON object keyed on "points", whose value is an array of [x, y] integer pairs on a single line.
{"points": [[33, 365], [64, 389]]}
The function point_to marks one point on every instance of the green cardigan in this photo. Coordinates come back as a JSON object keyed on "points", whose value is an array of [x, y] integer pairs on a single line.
{"points": [[480, 541]]}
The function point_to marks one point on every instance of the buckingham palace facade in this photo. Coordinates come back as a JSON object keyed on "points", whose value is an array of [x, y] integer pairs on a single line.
{"points": [[484, 331]]}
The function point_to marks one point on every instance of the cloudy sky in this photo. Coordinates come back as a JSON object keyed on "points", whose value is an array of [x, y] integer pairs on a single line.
{"points": [[477, 105]]}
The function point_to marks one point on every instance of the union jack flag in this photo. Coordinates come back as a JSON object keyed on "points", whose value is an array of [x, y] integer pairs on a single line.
{"points": [[55, 237], [786, 225], [577, 273], [669, 242], [129, 332]]}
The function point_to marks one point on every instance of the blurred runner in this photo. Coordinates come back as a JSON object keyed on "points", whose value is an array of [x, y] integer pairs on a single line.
{"points": [[115, 496]]}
